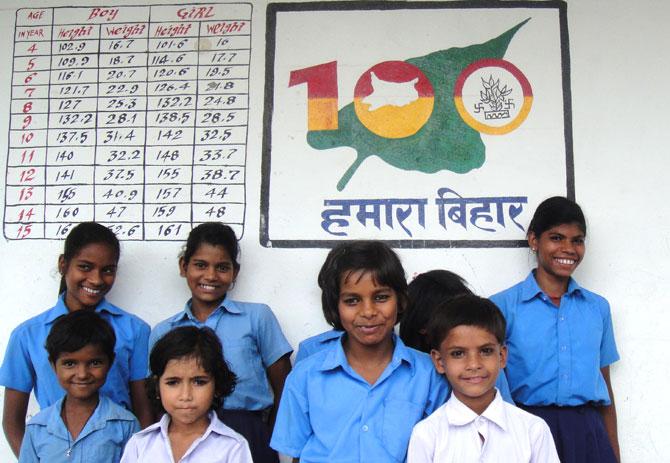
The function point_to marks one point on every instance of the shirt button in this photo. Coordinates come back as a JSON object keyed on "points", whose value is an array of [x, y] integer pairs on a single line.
{"points": [[563, 348], [561, 318], [365, 428]]}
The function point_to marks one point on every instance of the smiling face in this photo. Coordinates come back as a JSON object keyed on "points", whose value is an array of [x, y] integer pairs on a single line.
{"points": [[471, 358], [209, 274], [186, 391], [559, 249], [82, 373], [89, 275], [368, 311]]}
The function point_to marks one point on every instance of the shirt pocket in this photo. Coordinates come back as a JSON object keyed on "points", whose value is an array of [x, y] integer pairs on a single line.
{"points": [[400, 416], [244, 360]]}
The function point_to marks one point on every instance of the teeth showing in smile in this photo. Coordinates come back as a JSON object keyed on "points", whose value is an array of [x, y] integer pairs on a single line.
{"points": [[566, 261], [91, 291], [208, 287]]}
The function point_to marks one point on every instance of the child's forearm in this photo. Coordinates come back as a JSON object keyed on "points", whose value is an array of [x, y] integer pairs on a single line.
{"points": [[14, 417], [608, 412], [277, 373]]}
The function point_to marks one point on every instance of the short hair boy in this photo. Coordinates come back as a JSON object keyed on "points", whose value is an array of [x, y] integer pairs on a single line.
{"points": [[467, 339], [83, 425]]}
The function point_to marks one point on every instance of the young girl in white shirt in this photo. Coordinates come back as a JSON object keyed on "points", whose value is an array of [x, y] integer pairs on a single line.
{"points": [[189, 381]]}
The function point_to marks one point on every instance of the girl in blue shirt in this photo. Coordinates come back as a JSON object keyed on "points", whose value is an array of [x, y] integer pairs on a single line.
{"points": [[88, 268], [357, 399], [560, 340], [253, 343]]}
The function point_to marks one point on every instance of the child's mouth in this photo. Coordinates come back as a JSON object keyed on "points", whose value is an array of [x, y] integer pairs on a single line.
{"points": [[91, 291]]}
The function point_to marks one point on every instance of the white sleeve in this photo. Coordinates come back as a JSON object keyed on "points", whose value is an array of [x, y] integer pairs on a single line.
{"points": [[240, 453], [421, 444], [131, 451], [542, 444]]}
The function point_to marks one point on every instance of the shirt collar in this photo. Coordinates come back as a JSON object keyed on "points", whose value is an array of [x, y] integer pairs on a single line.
{"points": [[458, 414], [61, 309], [227, 305], [98, 420], [336, 357], [215, 425], [530, 289]]}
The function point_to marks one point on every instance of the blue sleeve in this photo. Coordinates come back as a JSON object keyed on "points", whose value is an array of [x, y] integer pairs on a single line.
{"points": [[139, 360], [27, 454], [292, 428], [503, 387], [270, 339], [17, 371], [439, 392], [608, 350]]}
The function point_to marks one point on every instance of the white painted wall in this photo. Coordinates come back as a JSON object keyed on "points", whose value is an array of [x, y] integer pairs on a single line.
{"points": [[620, 99]]}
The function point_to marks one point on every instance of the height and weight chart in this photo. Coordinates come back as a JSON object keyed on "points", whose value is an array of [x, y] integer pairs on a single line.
{"points": [[132, 116]]}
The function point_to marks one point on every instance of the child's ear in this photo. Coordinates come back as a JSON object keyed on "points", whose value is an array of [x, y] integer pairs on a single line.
{"points": [[503, 356], [62, 264], [182, 267], [532, 241], [437, 361]]}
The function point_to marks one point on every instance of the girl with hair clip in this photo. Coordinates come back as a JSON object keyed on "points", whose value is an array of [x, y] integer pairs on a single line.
{"points": [[357, 398], [88, 268], [253, 342], [561, 341], [189, 381]]}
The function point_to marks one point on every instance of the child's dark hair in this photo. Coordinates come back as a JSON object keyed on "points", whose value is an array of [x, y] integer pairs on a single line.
{"points": [[204, 346], [215, 234], [425, 293], [81, 236], [353, 256], [468, 310], [77, 330], [554, 211]]}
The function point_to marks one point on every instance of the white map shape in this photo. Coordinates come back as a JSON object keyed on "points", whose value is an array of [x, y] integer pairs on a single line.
{"points": [[385, 93]]}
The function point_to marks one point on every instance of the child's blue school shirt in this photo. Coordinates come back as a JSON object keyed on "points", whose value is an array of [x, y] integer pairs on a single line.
{"points": [[102, 439], [320, 341], [556, 353], [329, 413], [26, 365], [316, 343], [252, 341]]}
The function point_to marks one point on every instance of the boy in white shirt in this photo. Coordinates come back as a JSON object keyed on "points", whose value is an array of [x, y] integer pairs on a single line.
{"points": [[467, 338]]}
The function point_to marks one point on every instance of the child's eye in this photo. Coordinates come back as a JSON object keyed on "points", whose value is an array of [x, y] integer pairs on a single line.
{"points": [[488, 350], [456, 354], [201, 381], [223, 268], [555, 237], [350, 300], [578, 241], [97, 362], [382, 297], [109, 270], [171, 382], [68, 363], [84, 267]]}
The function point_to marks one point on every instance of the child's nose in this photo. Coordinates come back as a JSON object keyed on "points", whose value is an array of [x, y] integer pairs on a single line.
{"points": [[186, 392], [368, 308], [474, 362], [82, 371], [95, 277]]}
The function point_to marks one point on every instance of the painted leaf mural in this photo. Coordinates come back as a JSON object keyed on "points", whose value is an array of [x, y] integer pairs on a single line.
{"points": [[414, 124]]}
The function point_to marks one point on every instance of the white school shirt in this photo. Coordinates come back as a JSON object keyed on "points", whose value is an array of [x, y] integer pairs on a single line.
{"points": [[219, 444], [452, 435]]}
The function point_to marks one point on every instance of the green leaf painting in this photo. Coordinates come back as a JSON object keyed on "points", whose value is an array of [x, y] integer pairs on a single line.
{"points": [[445, 142]]}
